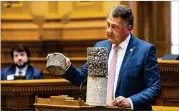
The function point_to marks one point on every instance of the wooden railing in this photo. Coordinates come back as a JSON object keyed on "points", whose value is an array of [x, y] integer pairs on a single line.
{"points": [[20, 94], [16, 90]]}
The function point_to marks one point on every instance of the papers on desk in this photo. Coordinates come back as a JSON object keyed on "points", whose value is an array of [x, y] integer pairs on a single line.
{"points": [[10, 77]]}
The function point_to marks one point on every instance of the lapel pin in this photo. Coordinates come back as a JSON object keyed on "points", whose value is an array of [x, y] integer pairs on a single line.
{"points": [[131, 50]]}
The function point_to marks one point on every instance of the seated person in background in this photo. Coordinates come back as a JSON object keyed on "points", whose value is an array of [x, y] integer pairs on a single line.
{"points": [[21, 67]]}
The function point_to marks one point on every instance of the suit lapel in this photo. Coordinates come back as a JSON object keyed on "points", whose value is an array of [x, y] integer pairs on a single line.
{"points": [[29, 72], [11, 71], [129, 52], [108, 46]]}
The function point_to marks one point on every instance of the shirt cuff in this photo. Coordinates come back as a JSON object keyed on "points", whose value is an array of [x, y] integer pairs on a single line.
{"points": [[132, 107], [68, 67]]}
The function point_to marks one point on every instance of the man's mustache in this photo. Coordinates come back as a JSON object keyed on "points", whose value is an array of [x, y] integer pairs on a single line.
{"points": [[23, 65], [19, 60]]}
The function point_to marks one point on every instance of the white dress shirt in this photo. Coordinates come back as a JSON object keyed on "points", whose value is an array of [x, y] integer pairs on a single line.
{"points": [[121, 52], [23, 71]]}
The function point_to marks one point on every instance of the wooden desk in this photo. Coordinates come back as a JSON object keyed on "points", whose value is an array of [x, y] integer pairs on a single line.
{"points": [[21, 94], [169, 75], [56, 103], [59, 108]]}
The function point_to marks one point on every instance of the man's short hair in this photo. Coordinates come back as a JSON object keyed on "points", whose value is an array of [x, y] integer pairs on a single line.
{"points": [[20, 48], [124, 13]]}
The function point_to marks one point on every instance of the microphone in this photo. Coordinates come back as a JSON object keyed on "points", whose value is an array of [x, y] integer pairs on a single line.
{"points": [[82, 85]]}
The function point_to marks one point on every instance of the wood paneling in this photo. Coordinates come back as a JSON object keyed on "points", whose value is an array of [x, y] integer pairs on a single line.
{"points": [[69, 20], [24, 30], [17, 10], [153, 23], [169, 70], [85, 30], [52, 30], [20, 94], [87, 9], [70, 34]]}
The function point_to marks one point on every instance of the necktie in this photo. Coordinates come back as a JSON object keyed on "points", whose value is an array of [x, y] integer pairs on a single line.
{"points": [[20, 73], [111, 74]]}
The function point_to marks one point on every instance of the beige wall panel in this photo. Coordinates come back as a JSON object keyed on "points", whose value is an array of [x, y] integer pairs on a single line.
{"points": [[52, 31], [39, 8], [15, 10], [52, 34], [85, 24], [109, 5], [85, 30], [19, 35], [84, 34], [65, 8], [53, 10], [19, 31], [87, 9]]}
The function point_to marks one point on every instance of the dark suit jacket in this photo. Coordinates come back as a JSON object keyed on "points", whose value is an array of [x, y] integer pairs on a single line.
{"points": [[31, 73], [139, 76]]}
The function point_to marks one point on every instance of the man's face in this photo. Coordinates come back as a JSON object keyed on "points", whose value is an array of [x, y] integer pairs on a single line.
{"points": [[116, 31], [20, 59]]}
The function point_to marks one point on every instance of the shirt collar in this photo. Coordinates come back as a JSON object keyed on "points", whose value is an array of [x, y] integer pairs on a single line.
{"points": [[22, 70], [123, 44]]}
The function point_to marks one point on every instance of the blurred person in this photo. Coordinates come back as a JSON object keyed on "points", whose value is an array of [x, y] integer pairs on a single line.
{"points": [[21, 66]]}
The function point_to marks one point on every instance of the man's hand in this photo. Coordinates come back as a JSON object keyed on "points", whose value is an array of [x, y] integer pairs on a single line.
{"points": [[121, 102], [68, 63]]}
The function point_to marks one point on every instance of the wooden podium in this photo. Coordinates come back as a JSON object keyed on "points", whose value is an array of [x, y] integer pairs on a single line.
{"points": [[20, 94], [57, 103], [169, 76]]}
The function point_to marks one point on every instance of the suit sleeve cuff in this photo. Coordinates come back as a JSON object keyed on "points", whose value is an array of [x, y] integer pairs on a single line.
{"points": [[132, 106]]}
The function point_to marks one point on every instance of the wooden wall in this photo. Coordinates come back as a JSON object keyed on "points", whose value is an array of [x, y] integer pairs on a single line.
{"points": [[152, 23], [21, 94], [64, 27], [71, 27]]}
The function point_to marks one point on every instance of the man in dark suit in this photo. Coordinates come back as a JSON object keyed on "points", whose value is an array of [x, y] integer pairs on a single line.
{"points": [[137, 76], [21, 67]]}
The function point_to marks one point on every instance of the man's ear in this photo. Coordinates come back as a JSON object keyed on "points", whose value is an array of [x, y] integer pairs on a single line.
{"points": [[129, 29]]}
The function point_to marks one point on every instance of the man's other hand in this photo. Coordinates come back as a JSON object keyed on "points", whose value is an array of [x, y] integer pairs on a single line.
{"points": [[121, 102]]}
